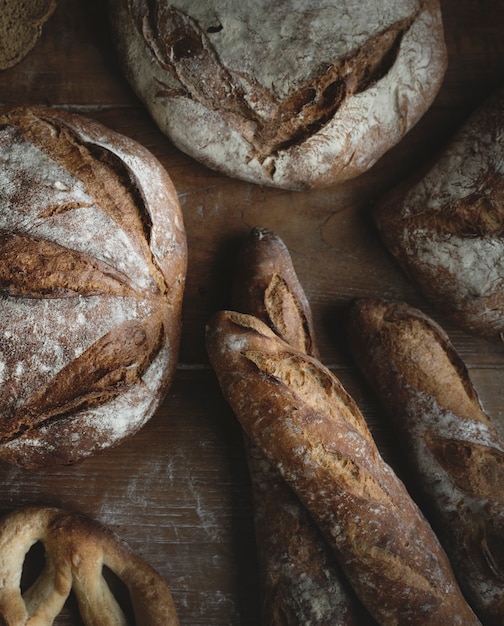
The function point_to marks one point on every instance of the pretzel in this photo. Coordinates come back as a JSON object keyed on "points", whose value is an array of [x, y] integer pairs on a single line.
{"points": [[76, 550]]}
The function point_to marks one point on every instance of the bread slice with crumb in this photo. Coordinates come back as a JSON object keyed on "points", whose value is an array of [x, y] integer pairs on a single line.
{"points": [[21, 24]]}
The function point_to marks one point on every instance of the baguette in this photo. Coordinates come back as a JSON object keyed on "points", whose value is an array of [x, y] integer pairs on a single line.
{"points": [[266, 286], [455, 449], [301, 581], [297, 412]]}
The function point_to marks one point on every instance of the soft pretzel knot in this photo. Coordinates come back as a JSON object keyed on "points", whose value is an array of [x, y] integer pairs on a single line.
{"points": [[77, 549]]}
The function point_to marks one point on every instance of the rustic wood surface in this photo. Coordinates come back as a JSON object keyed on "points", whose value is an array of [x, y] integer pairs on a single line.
{"points": [[178, 491]]}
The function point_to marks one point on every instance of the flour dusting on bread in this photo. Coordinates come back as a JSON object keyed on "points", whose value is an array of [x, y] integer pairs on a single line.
{"points": [[92, 271], [309, 96]]}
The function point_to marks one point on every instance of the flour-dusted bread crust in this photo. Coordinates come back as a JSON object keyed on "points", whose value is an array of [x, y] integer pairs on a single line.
{"points": [[21, 24], [301, 580], [445, 225], [92, 272], [294, 94], [454, 448], [77, 550], [297, 412]]}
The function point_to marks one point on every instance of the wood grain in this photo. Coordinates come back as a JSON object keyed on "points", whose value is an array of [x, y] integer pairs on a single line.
{"points": [[179, 491]]}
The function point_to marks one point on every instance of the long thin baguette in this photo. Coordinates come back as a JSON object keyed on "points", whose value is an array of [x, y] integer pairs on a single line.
{"points": [[455, 448], [301, 580], [300, 416]]}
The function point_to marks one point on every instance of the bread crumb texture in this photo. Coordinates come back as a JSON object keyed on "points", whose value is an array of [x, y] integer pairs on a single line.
{"points": [[21, 24]]}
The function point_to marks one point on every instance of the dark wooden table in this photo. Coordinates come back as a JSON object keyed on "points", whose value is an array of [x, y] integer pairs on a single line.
{"points": [[178, 491]]}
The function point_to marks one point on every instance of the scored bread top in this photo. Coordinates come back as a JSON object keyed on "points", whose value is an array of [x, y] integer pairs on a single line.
{"points": [[294, 94], [251, 47], [301, 581], [456, 455], [92, 269]]}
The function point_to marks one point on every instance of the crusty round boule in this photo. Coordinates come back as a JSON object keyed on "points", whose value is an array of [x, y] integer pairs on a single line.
{"points": [[92, 272]]}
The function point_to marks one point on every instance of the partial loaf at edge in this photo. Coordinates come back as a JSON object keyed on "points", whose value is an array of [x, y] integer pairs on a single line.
{"points": [[455, 450], [296, 94], [445, 227], [77, 550], [92, 273], [20, 28]]}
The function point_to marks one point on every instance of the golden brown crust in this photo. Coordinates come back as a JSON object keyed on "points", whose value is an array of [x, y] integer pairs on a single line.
{"points": [[92, 272], [77, 548], [455, 450], [301, 579], [312, 431]]}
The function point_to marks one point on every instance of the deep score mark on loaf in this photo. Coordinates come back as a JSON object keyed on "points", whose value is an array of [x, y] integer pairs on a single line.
{"points": [[311, 96], [92, 270]]}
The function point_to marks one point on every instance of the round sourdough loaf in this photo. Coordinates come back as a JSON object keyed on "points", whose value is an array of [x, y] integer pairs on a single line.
{"points": [[445, 226], [294, 94], [92, 272]]}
